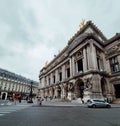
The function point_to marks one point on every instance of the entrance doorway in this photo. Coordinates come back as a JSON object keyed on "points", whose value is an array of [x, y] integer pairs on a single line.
{"points": [[3, 96], [79, 89], [117, 90]]}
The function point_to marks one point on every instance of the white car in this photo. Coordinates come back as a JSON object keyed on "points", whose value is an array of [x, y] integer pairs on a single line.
{"points": [[94, 103]]}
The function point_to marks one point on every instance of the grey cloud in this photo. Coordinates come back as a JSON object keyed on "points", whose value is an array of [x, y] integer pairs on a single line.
{"points": [[26, 25]]}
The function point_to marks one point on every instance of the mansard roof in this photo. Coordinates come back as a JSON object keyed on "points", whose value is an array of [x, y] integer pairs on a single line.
{"points": [[16, 77], [114, 38]]}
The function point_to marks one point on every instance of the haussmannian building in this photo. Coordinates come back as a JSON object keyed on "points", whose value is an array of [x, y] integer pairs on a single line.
{"points": [[88, 67], [11, 84]]}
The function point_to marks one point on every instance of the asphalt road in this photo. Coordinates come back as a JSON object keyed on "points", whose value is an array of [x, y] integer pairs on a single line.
{"points": [[62, 116]]}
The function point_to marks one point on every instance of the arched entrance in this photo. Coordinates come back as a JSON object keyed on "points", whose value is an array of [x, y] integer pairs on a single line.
{"points": [[3, 96], [79, 89], [104, 87]]}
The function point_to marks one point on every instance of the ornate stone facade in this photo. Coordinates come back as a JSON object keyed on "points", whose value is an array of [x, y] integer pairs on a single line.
{"points": [[88, 67], [11, 84]]}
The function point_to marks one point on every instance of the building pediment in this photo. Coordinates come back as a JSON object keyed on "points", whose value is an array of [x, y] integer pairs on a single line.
{"points": [[88, 28]]}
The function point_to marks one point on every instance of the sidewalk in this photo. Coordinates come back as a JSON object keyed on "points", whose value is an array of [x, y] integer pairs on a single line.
{"points": [[8, 103], [69, 104], [48, 103], [3, 102], [115, 105]]}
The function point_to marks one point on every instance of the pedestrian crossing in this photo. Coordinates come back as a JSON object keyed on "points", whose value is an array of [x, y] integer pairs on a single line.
{"points": [[9, 109]]}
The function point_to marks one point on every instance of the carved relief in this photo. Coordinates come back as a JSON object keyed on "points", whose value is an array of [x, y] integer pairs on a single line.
{"points": [[88, 82], [113, 50], [70, 86], [78, 55]]}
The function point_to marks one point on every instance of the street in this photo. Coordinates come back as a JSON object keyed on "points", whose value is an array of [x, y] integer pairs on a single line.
{"points": [[55, 114]]}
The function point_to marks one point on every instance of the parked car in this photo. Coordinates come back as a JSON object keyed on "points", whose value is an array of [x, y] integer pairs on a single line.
{"points": [[94, 103]]}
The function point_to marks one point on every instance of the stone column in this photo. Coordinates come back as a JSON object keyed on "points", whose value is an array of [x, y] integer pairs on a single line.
{"points": [[63, 91], [56, 75], [15, 86], [93, 59], [56, 91], [103, 65], [19, 87], [52, 92], [88, 56], [110, 93], [73, 66], [25, 88], [96, 87], [3, 86], [84, 60], [43, 93], [7, 86], [63, 73], [119, 59], [43, 82], [51, 78], [108, 66]]}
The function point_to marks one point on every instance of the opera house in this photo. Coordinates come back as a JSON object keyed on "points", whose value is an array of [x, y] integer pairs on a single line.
{"points": [[87, 67]]}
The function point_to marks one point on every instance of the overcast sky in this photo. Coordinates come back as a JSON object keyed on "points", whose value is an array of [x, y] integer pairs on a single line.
{"points": [[33, 31]]}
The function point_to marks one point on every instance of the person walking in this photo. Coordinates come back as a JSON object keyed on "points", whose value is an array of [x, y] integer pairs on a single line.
{"points": [[40, 101]]}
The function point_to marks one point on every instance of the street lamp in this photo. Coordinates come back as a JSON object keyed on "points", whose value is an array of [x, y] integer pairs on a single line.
{"points": [[31, 94]]}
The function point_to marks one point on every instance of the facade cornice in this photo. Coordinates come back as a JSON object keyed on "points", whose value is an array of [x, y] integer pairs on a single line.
{"points": [[89, 23], [113, 39], [69, 48]]}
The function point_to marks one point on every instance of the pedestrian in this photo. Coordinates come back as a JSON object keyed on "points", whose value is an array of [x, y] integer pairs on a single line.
{"points": [[19, 98], [40, 100]]}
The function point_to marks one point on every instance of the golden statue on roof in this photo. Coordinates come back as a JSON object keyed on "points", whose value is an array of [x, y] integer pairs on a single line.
{"points": [[82, 24], [46, 63]]}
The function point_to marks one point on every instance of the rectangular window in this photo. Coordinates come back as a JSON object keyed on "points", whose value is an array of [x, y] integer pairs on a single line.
{"points": [[68, 72], [114, 64], [60, 76], [54, 79], [100, 64], [80, 65]]}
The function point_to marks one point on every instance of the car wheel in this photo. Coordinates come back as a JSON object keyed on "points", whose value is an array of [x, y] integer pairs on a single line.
{"points": [[108, 106], [94, 106]]}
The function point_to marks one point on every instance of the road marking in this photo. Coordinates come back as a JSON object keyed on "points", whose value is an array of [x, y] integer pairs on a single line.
{"points": [[6, 110], [1, 114]]}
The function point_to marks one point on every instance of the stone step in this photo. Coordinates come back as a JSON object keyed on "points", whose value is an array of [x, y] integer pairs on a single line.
{"points": [[117, 101], [77, 101]]}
